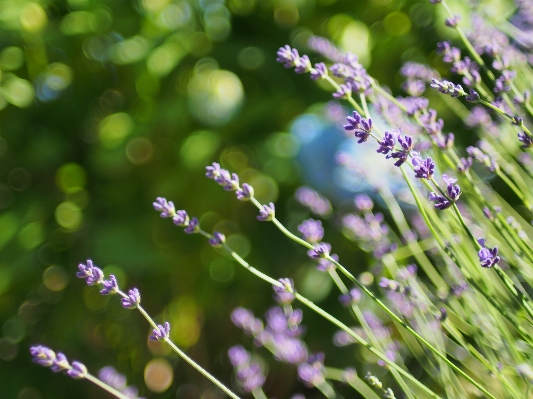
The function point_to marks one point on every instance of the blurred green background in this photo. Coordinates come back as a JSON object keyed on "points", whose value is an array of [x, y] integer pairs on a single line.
{"points": [[106, 105]]}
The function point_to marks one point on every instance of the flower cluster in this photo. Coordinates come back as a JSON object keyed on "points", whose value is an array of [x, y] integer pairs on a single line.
{"points": [[453, 193], [488, 257], [46, 357], [360, 126], [249, 373]]}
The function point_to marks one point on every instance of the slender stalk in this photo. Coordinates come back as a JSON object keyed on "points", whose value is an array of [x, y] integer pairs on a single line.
{"points": [[105, 387]]}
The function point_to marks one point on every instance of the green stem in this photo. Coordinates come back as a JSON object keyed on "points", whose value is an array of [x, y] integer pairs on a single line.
{"points": [[105, 387]]}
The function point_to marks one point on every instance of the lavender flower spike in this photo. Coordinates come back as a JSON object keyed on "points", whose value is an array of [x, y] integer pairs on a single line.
{"points": [[217, 239], [92, 274], [424, 169], [161, 333], [312, 230], [43, 355], [181, 218], [133, 299], [110, 286], [166, 208], [284, 295], [77, 371], [361, 127], [245, 192], [488, 257], [266, 213], [193, 226], [447, 87], [320, 250]]}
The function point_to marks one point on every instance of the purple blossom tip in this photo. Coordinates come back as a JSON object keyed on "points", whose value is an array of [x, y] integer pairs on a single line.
{"points": [[181, 218], [132, 300], [110, 286], [351, 298], [245, 192], [161, 333], [319, 72], [284, 294], [77, 371], [166, 208], [312, 230], [217, 239], [424, 168], [60, 363], [321, 250], [92, 274], [488, 257], [193, 226], [360, 126], [267, 212], [43, 355]]}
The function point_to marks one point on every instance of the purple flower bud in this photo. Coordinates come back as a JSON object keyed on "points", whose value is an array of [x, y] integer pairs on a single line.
{"points": [[453, 21], [92, 274], [110, 286], [43, 355], [238, 356], [473, 96], [181, 218], [217, 240], [344, 91], [245, 192], [288, 56], [447, 87], [312, 230], [166, 208], [312, 373], [77, 371], [321, 250], [267, 213], [132, 300], [284, 295], [319, 72], [363, 203], [465, 164], [488, 257], [193, 226], [351, 298], [161, 333], [424, 169], [213, 171], [60, 363], [525, 139], [387, 144]]}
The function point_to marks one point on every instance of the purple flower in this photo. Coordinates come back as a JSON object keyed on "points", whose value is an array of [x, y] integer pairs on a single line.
{"points": [[313, 200], [267, 213], [77, 371], [302, 64], [361, 127], [217, 239], [213, 171], [319, 72], [284, 295], [390, 285], [473, 96], [288, 56], [181, 218], [465, 164], [351, 298], [453, 21], [323, 46], [312, 230], [363, 203], [525, 139], [166, 208], [312, 372], [488, 257], [344, 91], [449, 53], [447, 87], [92, 274], [245, 192], [132, 300], [488, 214], [161, 333], [43, 355], [447, 142], [407, 144], [321, 250], [112, 377], [110, 286], [454, 192], [238, 356], [387, 144], [193, 226], [60, 363], [424, 169]]}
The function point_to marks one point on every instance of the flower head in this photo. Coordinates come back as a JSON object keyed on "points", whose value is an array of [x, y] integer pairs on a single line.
{"points": [[43, 355], [77, 371], [267, 212], [245, 192], [217, 239], [488, 257], [92, 274], [181, 218], [424, 168], [193, 226], [360, 126], [312, 230], [110, 286], [285, 294], [161, 333], [166, 208], [132, 300], [321, 250]]}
